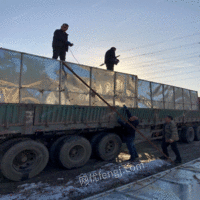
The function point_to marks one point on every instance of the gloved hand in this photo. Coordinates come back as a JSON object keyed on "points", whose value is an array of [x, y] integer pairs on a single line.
{"points": [[116, 61], [125, 107], [69, 44]]}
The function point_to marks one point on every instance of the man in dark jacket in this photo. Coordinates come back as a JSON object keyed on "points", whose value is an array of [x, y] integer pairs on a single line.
{"points": [[129, 133], [110, 59], [170, 137], [60, 42]]}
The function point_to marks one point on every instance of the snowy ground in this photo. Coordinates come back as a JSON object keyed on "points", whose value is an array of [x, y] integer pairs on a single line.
{"points": [[114, 174], [99, 176]]}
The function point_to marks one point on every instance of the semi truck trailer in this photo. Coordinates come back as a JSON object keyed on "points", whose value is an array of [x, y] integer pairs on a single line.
{"points": [[46, 113]]}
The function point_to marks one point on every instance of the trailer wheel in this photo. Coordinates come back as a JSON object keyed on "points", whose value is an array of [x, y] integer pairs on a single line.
{"points": [[94, 141], [53, 151], [197, 133], [109, 147], [179, 134], [74, 152], [23, 160], [7, 144], [187, 134]]}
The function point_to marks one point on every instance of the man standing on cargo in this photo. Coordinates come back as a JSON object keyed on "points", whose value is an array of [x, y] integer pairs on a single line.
{"points": [[60, 42], [110, 59], [129, 133], [170, 137]]}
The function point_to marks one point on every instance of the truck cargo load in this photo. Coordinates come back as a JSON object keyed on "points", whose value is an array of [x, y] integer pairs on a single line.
{"points": [[46, 112]]}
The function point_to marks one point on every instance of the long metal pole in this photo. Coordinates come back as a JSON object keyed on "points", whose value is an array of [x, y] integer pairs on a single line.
{"points": [[113, 108]]}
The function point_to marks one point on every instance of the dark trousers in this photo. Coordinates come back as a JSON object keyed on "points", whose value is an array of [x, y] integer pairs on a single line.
{"points": [[59, 51], [173, 146], [131, 147], [110, 66]]}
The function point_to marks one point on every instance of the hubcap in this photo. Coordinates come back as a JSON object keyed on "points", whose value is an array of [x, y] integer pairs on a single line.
{"points": [[110, 146], [25, 160], [76, 153]]}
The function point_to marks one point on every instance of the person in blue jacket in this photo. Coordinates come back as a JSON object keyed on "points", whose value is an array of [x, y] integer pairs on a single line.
{"points": [[129, 133]]}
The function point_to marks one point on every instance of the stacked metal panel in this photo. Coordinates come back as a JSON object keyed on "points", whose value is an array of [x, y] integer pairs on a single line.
{"points": [[102, 82], [39, 80], [73, 91], [144, 94], [157, 91], [194, 100], [125, 90], [10, 63], [27, 78], [169, 99]]}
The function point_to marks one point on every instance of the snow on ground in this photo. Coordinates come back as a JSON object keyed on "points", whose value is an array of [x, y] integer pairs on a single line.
{"points": [[88, 183]]}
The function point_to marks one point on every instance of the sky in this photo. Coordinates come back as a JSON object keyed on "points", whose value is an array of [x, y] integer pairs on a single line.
{"points": [[157, 40]]}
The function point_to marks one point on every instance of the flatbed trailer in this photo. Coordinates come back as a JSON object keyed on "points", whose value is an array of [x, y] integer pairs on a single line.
{"points": [[46, 111]]}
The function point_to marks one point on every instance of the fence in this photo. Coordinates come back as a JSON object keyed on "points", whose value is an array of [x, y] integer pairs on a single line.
{"points": [[26, 78]]}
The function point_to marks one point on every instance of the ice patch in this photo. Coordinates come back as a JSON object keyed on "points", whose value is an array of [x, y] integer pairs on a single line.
{"points": [[95, 181]]}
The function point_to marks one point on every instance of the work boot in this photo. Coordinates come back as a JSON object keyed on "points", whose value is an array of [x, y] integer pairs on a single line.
{"points": [[163, 158], [178, 161], [133, 159]]}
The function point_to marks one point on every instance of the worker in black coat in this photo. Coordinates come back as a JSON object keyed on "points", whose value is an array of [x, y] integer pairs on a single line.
{"points": [[60, 42], [110, 59], [129, 133]]}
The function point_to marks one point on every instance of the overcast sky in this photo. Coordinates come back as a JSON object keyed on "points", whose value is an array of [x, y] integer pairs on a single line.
{"points": [[158, 40]]}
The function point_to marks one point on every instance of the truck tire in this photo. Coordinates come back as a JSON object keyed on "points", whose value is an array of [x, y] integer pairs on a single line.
{"points": [[187, 134], [7, 144], [23, 160], [94, 141], [53, 151], [197, 133], [179, 134], [109, 147], [74, 152]]}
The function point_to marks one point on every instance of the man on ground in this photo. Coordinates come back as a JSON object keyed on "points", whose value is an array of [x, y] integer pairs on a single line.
{"points": [[129, 133], [170, 137]]}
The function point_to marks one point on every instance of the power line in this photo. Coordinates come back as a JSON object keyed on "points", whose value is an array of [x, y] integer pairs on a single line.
{"points": [[176, 38], [176, 74], [167, 61], [163, 62], [178, 68], [171, 39], [182, 55], [186, 79], [151, 53], [194, 77]]}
